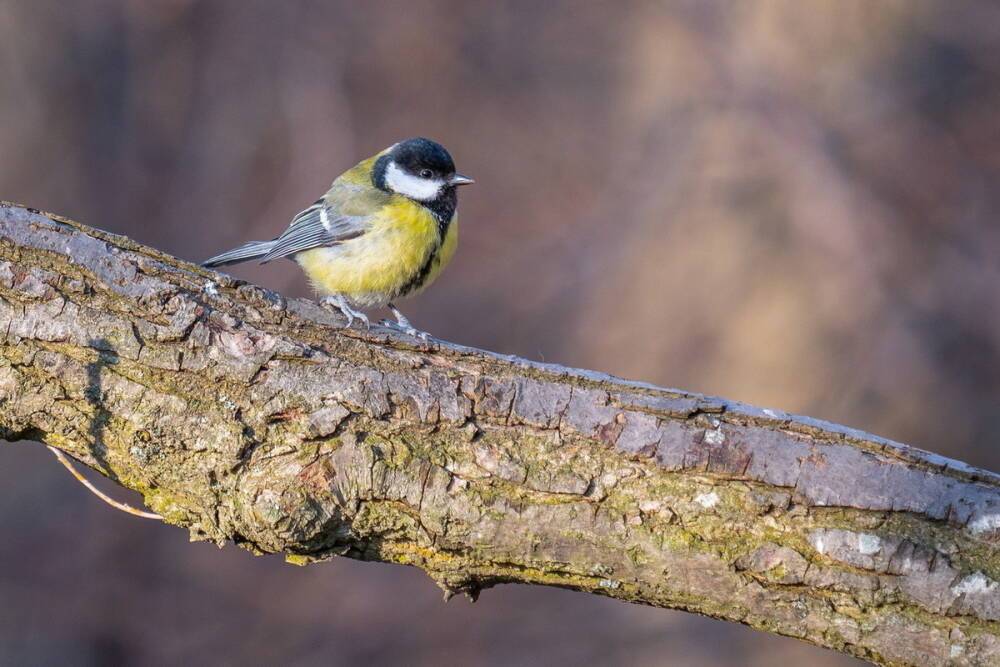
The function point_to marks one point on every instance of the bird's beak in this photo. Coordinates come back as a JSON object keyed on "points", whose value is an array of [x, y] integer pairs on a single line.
{"points": [[458, 179]]}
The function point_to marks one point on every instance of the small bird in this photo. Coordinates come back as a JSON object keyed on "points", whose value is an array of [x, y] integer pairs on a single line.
{"points": [[383, 231]]}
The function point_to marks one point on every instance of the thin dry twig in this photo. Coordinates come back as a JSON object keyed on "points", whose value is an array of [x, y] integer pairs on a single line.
{"points": [[97, 492]]}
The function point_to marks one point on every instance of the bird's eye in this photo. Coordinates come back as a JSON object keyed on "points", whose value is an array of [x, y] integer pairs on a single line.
{"points": [[426, 173]]}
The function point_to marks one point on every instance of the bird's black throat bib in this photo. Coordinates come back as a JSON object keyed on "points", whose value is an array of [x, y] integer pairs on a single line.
{"points": [[443, 208]]}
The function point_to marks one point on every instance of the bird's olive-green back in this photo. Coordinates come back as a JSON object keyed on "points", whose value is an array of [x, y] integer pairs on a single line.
{"points": [[354, 194]]}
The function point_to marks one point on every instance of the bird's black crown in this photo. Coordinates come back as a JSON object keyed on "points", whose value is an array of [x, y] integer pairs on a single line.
{"points": [[414, 155]]}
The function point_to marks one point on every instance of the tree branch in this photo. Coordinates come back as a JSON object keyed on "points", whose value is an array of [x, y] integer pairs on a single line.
{"points": [[250, 418]]}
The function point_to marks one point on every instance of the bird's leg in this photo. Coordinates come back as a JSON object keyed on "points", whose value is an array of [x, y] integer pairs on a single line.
{"points": [[403, 324], [340, 303], [401, 318]]}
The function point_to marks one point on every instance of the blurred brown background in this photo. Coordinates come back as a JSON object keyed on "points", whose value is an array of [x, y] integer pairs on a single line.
{"points": [[791, 204]]}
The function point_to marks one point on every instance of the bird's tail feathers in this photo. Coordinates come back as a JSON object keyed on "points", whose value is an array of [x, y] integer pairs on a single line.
{"points": [[245, 252]]}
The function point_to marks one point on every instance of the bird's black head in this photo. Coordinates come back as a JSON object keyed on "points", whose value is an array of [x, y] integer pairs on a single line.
{"points": [[422, 170], [423, 157]]}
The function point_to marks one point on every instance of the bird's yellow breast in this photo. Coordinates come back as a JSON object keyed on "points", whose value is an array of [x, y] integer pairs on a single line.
{"points": [[401, 253]]}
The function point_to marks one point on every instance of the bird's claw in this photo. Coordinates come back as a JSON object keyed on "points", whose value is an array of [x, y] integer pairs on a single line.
{"points": [[408, 329], [416, 333], [341, 305]]}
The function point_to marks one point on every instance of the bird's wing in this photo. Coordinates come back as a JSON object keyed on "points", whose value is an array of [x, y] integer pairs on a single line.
{"points": [[315, 227], [344, 213]]}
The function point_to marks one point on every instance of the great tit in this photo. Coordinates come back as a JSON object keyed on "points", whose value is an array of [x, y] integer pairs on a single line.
{"points": [[384, 230]]}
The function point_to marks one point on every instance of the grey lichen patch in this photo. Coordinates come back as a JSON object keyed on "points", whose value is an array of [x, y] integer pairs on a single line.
{"points": [[707, 500], [862, 550], [984, 524]]}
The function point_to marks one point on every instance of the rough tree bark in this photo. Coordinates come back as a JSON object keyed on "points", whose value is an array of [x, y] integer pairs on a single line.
{"points": [[250, 418]]}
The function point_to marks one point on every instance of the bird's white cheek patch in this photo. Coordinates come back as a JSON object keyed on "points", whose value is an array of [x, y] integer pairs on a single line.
{"points": [[414, 187]]}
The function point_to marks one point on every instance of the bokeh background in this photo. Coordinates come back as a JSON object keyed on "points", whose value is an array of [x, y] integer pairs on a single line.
{"points": [[793, 204]]}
